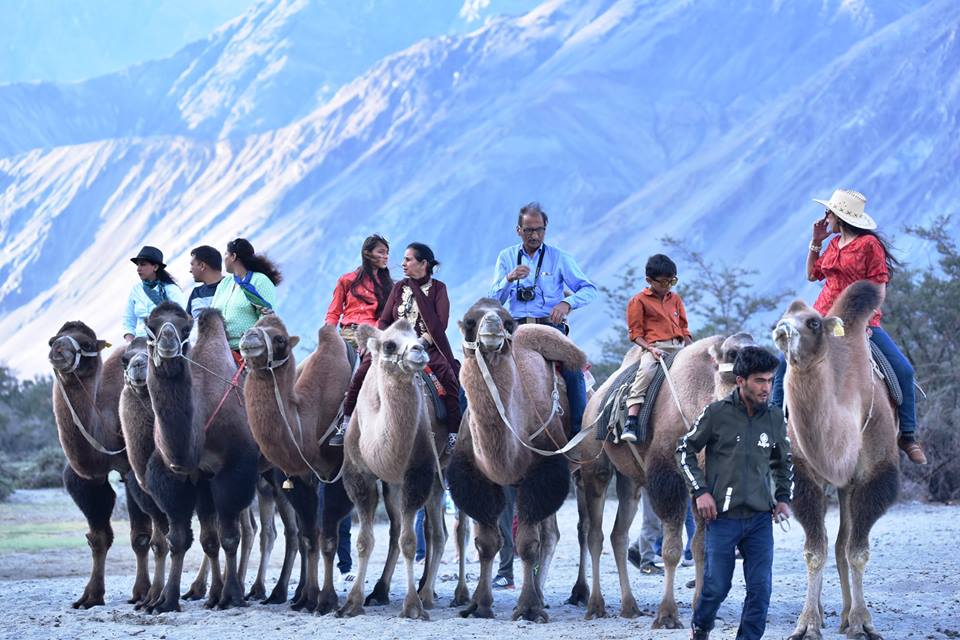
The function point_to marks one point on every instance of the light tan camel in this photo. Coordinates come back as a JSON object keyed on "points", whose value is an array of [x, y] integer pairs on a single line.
{"points": [[393, 437], [290, 410], [489, 454], [86, 399], [844, 432], [698, 382], [206, 457]]}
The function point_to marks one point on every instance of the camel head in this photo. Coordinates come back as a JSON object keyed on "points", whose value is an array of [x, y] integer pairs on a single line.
{"points": [[804, 335], [487, 326], [169, 329], [725, 353], [267, 345], [75, 348], [397, 348], [135, 364]]}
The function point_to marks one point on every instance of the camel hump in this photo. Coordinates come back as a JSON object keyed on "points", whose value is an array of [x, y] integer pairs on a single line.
{"points": [[210, 320], [551, 344], [328, 334], [858, 302]]}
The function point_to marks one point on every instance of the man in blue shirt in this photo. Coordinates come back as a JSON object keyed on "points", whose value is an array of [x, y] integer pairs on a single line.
{"points": [[532, 280]]}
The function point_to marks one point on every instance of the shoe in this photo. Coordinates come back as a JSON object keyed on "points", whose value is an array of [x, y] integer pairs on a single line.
{"points": [[629, 431], [650, 569], [912, 448], [691, 583], [503, 582], [346, 581], [658, 560], [336, 440], [687, 562], [633, 555], [451, 443], [698, 634]]}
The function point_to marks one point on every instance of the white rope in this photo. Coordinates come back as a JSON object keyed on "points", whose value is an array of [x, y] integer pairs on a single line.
{"points": [[79, 423], [873, 397], [673, 391]]}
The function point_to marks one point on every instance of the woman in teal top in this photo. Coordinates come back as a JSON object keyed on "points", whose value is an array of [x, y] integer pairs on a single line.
{"points": [[249, 294]]}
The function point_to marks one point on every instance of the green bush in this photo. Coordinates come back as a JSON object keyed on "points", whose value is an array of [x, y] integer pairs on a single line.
{"points": [[7, 481], [43, 471]]}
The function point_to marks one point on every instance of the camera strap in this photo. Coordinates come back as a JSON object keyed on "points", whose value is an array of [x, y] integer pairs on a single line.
{"points": [[536, 276]]}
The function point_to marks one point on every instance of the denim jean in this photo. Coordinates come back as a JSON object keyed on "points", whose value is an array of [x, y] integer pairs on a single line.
{"points": [[344, 561], [691, 527], [505, 523], [901, 366], [421, 538], [754, 537]]}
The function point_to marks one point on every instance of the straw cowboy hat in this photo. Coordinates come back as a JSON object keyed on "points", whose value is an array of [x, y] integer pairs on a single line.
{"points": [[848, 205]]}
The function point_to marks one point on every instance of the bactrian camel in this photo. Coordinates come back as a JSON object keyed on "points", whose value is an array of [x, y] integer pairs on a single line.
{"points": [[393, 438], [290, 410], [698, 381], [86, 400], [843, 427], [206, 457], [489, 454]]}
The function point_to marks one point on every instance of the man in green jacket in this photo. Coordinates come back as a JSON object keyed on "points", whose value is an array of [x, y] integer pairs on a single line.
{"points": [[747, 455]]}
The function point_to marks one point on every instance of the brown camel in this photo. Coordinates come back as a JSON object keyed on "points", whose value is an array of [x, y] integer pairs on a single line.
{"points": [[206, 457], [393, 438], [86, 399], [490, 454], [844, 433], [289, 431], [698, 382]]}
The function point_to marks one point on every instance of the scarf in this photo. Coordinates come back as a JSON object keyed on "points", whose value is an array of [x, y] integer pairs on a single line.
{"points": [[253, 296], [155, 291]]}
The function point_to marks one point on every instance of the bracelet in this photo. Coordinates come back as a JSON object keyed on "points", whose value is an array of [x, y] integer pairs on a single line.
{"points": [[815, 248]]}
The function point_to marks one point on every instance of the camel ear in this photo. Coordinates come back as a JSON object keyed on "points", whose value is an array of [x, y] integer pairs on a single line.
{"points": [[834, 325], [714, 354], [369, 336], [103, 344], [294, 341], [797, 306]]}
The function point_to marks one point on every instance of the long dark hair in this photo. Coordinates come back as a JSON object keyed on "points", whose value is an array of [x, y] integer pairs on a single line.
{"points": [[252, 261], [164, 276], [382, 282], [892, 263], [423, 252]]}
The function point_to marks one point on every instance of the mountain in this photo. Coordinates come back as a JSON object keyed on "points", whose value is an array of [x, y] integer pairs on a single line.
{"points": [[628, 120]]}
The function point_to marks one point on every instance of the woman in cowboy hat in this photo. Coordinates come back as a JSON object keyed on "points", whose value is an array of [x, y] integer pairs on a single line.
{"points": [[857, 252], [155, 286]]}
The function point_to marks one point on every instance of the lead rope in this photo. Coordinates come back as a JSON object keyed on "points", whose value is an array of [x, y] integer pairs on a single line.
{"points": [[430, 436], [873, 397], [79, 423]]}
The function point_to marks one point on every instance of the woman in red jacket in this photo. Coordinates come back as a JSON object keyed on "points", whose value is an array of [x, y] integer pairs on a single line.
{"points": [[360, 294]]}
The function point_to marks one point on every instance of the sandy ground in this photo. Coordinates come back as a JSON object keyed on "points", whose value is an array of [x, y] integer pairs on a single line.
{"points": [[911, 587]]}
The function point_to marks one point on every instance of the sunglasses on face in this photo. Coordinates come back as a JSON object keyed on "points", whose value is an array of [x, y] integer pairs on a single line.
{"points": [[666, 282]]}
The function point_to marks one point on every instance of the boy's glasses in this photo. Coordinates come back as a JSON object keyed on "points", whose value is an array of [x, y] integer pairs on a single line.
{"points": [[667, 282]]}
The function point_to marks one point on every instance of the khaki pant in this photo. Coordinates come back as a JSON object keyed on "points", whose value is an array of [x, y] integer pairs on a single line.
{"points": [[648, 367], [349, 333]]}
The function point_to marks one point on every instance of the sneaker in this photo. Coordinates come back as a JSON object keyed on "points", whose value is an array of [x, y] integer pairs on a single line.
{"points": [[691, 583], [912, 448], [650, 569], [686, 562], [451, 443], [658, 560], [336, 440], [629, 431], [633, 555], [696, 633], [502, 582], [346, 580]]}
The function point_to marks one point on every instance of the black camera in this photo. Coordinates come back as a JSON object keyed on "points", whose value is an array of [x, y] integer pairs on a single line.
{"points": [[526, 294]]}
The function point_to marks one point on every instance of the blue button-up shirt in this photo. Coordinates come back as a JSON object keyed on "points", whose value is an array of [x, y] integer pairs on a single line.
{"points": [[559, 271]]}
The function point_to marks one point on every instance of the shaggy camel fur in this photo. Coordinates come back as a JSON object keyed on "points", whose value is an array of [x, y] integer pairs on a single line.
{"points": [[488, 456], [206, 457], [844, 432], [389, 439], [698, 382], [289, 436], [93, 389]]}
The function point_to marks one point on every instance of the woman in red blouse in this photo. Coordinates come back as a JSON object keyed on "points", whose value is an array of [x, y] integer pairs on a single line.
{"points": [[360, 294], [857, 252]]}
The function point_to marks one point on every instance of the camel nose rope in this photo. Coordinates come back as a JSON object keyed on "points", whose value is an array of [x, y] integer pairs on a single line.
{"points": [[153, 342], [78, 353]]}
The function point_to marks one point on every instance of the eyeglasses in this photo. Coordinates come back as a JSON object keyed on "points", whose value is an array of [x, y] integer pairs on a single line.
{"points": [[667, 282], [530, 231]]}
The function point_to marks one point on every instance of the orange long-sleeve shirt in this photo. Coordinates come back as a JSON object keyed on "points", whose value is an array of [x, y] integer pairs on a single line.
{"points": [[653, 319]]}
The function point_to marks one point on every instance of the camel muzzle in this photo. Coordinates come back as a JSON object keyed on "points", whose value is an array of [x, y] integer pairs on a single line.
{"points": [[251, 345], [136, 372], [65, 354], [167, 343], [491, 334], [786, 336]]}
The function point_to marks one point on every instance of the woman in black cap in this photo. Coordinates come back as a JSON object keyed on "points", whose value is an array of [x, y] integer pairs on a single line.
{"points": [[155, 286]]}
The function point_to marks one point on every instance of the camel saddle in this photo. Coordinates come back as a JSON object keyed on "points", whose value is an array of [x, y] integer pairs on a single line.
{"points": [[432, 383], [614, 412], [883, 368]]}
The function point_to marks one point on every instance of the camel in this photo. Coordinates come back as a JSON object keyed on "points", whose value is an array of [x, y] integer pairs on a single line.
{"points": [[393, 438], [86, 398], [205, 456], [289, 435], [844, 433], [698, 381], [488, 456]]}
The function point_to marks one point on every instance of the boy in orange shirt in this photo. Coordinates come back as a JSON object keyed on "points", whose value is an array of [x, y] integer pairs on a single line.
{"points": [[658, 324]]}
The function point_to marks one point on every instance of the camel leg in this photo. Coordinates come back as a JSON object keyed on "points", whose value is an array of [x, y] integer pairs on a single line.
{"points": [[158, 543], [176, 497], [810, 508], [291, 537], [295, 603], [668, 495], [95, 498], [412, 605], [580, 591], [362, 490], [198, 588], [461, 594], [529, 606], [488, 541], [549, 538], [628, 499], [840, 553], [248, 533], [436, 535], [141, 528], [595, 481], [868, 501], [336, 506], [306, 501], [233, 489], [266, 508], [209, 541], [380, 596]]}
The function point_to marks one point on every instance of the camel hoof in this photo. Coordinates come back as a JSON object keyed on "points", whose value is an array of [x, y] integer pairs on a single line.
{"points": [[257, 592], [533, 613], [195, 592], [864, 632], [414, 610], [629, 609], [230, 599], [350, 609], [596, 609], [379, 597], [166, 605], [461, 596], [809, 632], [668, 621], [277, 596], [327, 602], [476, 611], [88, 600], [580, 594]]}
